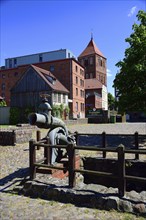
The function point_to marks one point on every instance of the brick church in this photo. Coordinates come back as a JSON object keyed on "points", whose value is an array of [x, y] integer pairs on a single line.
{"points": [[85, 78], [94, 64]]}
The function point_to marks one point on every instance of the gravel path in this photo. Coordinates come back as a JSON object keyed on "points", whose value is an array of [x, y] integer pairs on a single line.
{"points": [[14, 163]]}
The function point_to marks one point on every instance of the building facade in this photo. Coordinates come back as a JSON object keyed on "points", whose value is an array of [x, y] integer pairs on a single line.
{"points": [[71, 74], [8, 78], [94, 63], [34, 83], [75, 75], [38, 58], [68, 71]]}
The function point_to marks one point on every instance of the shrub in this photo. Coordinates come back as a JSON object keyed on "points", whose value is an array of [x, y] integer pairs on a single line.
{"points": [[14, 115], [55, 111], [3, 103]]}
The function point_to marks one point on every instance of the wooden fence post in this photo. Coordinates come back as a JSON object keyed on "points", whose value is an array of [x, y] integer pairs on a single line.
{"points": [[136, 145], [77, 140], [32, 159], [104, 143], [121, 170], [71, 164], [38, 137], [13, 137], [47, 153], [76, 137]]}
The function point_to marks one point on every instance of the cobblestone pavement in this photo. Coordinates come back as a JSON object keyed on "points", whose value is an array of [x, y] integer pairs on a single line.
{"points": [[14, 163], [117, 128]]}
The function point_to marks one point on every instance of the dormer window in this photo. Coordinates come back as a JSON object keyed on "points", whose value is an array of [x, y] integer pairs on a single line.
{"points": [[50, 78]]}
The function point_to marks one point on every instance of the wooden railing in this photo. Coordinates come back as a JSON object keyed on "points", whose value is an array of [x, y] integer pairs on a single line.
{"points": [[45, 162], [104, 142]]}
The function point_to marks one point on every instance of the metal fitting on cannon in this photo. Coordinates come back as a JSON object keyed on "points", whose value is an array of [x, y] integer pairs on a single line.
{"points": [[44, 119]]}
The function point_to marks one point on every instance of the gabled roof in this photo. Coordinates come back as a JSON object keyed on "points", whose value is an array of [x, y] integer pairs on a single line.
{"points": [[48, 77], [91, 49], [93, 84]]}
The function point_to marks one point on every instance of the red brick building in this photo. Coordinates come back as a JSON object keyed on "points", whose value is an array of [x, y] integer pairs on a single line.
{"points": [[68, 71], [76, 76], [8, 78], [71, 74], [94, 63]]}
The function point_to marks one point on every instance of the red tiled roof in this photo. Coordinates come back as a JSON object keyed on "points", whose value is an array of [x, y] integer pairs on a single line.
{"points": [[91, 49], [44, 74], [93, 84]]}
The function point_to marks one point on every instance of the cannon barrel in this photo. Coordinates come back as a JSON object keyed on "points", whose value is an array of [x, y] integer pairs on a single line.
{"points": [[44, 121], [40, 120], [35, 118]]}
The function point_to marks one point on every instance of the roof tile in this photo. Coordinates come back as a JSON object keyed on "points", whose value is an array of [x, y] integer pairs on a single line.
{"points": [[93, 84], [44, 73], [91, 49]]}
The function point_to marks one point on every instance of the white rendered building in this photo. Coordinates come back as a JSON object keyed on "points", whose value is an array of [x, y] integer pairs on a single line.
{"points": [[38, 57]]}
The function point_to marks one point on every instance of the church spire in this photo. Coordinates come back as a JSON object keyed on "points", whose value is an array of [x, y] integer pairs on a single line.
{"points": [[91, 34], [91, 49]]}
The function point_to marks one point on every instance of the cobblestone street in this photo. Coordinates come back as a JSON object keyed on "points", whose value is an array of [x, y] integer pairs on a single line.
{"points": [[14, 163]]}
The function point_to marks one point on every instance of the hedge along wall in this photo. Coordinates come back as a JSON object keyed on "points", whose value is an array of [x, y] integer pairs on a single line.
{"points": [[11, 137]]}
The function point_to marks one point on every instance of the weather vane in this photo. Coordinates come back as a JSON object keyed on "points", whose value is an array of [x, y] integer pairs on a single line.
{"points": [[91, 33]]}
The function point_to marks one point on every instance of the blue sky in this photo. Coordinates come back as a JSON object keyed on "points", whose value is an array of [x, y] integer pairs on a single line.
{"points": [[29, 27]]}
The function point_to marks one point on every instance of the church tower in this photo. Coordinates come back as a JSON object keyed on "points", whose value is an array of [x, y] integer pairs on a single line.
{"points": [[94, 63]]}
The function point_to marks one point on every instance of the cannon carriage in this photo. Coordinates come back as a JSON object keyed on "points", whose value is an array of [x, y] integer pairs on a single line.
{"points": [[58, 133]]}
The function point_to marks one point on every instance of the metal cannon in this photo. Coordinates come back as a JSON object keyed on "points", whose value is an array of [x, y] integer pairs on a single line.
{"points": [[58, 133]]}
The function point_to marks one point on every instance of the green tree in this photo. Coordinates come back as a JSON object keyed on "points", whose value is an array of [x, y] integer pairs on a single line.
{"points": [[111, 101], [130, 82], [14, 115], [3, 103], [61, 109], [55, 111]]}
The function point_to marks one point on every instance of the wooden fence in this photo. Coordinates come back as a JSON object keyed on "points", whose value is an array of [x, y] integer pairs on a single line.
{"points": [[104, 143], [45, 161]]}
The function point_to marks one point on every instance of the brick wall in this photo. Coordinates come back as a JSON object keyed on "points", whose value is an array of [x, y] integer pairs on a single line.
{"points": [[65, 70], [8, 79]]}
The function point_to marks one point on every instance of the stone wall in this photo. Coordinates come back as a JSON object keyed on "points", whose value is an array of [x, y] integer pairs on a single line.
{"points": [[17, 135], [132, 168], [76, 121]]}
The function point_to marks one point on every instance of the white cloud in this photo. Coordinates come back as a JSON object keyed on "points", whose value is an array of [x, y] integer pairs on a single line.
{"points": [[108, 73], [132, 11]]}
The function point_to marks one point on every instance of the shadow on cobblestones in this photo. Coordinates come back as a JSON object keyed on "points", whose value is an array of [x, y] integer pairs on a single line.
{"points": [[13, 178]]}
